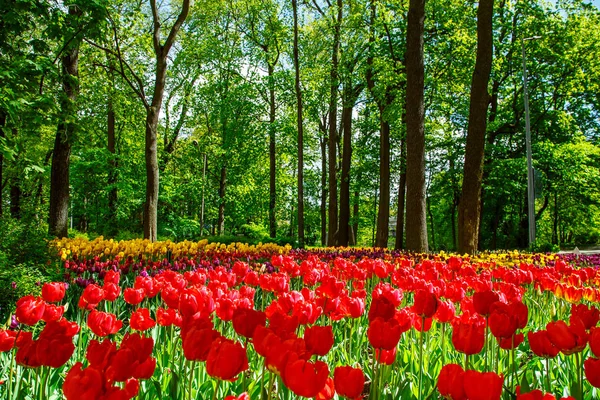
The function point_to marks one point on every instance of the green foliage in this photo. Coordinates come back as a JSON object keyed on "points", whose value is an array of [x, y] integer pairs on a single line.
{"points": [[24, 261]]}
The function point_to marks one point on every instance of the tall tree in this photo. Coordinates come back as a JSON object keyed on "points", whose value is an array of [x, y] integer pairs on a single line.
{"points": [[416, 220], [161, 51], [300, 131], [470, 202], [61, 155]]}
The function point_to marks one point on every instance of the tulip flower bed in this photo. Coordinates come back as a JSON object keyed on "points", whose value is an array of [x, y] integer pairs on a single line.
{"points": [[198, 321]]}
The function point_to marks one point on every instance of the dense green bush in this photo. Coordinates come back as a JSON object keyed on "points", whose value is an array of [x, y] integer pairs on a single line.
{"points": [[24, 261]]}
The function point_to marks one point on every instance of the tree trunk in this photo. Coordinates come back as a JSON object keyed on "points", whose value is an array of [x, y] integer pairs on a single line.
{"points": [[272, 159], [222, 188], [343, 229], [112, 170], [401, 195], [469, 208], [354, 237], [416, 222], [15, 199], [323, 143], [300, 133], [332, 142], [383, 214], [152, 179], [61, 155], [161, 51]]}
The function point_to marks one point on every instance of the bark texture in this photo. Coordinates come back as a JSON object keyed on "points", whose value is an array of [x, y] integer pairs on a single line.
{"points": [[470, 204], [416, 222]]}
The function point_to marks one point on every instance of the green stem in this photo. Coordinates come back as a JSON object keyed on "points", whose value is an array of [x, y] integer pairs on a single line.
{"points": [[486, 344], [43, 388], [12, 367], [421, 358], [216, 389], [271, 376], [443, 344], [514, 364], [190, 378], [548, 388]]}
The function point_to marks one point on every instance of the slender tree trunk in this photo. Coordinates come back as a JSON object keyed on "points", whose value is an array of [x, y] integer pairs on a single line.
{"points": [[2, 135], [222, 188], [332, 142], [401, 196], [272, 159], [15, 198], [354, 237], [383, 213], [343, 229], [416, 222], [300, 132], [112, 170], [152, 179], [61, 155], [323, 143], [469, 208], [161, 51]]}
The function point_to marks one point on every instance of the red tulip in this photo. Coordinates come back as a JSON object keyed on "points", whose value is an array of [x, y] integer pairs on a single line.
{"points": [[349, 382], [511, 342], [382, 308], [591, 367], [168, 317], [305, 378], [569, 339], [112, 277], [595, 341], [27, 354], [450, 382], [386, 357], [246, 320], [54, 351], [140, 320], [30, 310], [100, 353], [327, 392], [534, 395], [384, 334], [541, 345], [226, 359], [445, 312], [111, 291], [53, 292], [134, 296], [7, 340], [482, 301], [501, 320], [468, 337], [588, 315], [482, 385], [243, 396], [426, 303], [319, 339], [53, 313], [90, 298], [133, 359], [103, 324], [83, 383], [196, 343]]}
